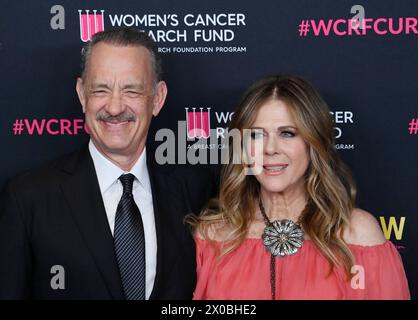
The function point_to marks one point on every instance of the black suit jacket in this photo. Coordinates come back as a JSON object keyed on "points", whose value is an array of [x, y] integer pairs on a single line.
{"points": [[55, 215]]}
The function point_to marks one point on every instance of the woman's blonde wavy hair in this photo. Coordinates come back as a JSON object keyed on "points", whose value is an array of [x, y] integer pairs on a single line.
{"points": [[329, 184]]}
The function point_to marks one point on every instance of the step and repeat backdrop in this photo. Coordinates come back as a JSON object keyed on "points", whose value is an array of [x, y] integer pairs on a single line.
{"points": [[212, 51]]}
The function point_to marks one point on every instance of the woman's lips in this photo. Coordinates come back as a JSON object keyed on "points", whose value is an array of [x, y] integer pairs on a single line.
{"points": [[274, 169]]}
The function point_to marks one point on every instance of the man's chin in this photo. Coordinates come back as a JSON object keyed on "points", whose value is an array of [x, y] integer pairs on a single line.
{"points": [[116, 146]]}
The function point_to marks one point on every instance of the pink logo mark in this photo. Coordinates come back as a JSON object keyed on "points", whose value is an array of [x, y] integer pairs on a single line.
{"points": [[198, 123], [90, 24]]}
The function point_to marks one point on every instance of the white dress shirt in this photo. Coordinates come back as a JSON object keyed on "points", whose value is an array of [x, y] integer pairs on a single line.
{"points": [[111, 189]]}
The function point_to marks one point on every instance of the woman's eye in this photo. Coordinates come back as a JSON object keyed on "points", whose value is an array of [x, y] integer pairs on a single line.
{"points": [[287, 134], [256, 134]]}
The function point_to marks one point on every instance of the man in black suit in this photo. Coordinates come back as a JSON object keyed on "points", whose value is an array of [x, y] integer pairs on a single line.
{"points": [[105, 222]]}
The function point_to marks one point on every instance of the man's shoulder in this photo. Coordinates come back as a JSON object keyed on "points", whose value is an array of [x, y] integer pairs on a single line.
{"points": [[197, 184], [188, 174], [48, 174]]}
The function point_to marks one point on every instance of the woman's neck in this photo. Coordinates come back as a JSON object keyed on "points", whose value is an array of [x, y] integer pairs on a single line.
{"points": [[283, 205]]}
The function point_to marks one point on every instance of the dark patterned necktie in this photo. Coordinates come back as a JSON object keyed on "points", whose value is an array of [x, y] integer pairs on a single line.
{"points": [[129, 242]]}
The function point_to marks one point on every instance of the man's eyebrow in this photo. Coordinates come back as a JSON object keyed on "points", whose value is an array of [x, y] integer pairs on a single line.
{"points": [[103, 85], [137, 86], [99, 85]]}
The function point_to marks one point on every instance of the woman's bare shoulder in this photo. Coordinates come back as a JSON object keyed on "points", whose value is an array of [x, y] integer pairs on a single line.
{"points": [[216, 232], [363, 229]]}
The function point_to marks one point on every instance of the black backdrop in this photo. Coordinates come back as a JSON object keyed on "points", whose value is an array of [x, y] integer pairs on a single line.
{"points": [[369, 78]]}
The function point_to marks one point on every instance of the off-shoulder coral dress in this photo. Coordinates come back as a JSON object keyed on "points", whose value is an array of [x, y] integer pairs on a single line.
{"points": [[245, 273]]}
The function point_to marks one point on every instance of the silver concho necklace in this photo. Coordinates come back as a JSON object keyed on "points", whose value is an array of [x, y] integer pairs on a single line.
{"points": [[281, 238]]}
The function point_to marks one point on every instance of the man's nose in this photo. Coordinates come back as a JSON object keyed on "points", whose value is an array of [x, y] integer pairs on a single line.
{"points": [[115, 104]]}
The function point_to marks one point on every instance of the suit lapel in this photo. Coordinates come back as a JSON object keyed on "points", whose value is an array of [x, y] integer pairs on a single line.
{"points": [[158, 229], [167, 242], [85, 201]]}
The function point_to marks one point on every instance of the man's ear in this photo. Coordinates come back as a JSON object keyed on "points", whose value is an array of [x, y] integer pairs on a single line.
{"points": [[81, 94], [159, 97]]}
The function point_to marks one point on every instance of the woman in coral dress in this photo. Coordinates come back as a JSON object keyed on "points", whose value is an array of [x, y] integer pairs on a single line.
{"points": [[285, 224]]}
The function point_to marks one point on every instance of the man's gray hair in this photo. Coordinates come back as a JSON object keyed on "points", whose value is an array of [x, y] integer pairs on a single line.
{"points": [[124, 37]]}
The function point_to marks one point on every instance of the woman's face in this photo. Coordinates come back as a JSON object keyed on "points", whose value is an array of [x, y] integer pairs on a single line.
{"points": [[278, 151]]}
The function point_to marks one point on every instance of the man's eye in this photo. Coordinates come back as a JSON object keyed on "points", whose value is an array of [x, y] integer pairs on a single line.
{"points": [[132, 94], [99, 92]]}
